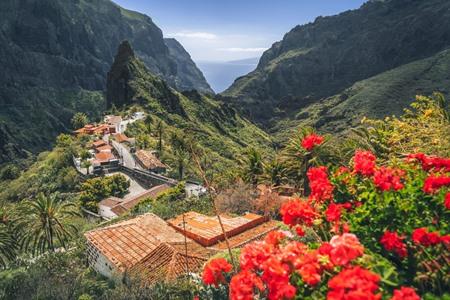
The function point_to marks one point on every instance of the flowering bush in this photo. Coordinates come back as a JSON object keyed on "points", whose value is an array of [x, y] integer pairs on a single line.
{"points": [[360, 234]]}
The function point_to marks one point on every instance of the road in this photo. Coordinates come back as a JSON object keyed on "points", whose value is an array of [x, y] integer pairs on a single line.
{"points": [[127, 157]]}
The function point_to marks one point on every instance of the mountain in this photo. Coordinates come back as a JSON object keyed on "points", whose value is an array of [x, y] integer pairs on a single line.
{"points": [[334, 55], [222, 74], [214, 125], [55, 56]]}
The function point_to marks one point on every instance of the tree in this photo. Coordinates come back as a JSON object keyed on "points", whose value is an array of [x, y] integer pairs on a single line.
{"points": [[79, 120], [253, 166], [182, 159], [8, 245], [44, 223], [86, 164], [160, 129], [275, 172]]}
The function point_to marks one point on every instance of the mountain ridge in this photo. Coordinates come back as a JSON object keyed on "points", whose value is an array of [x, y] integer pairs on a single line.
{"points": [[322, 58]]}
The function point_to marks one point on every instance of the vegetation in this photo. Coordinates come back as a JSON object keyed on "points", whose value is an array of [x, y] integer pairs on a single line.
{"points": [[96, 189], [79, 120]]}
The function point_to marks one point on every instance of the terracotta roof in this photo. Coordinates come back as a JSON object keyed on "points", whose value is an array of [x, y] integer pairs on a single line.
{"points": [[110, 202], [169, 261], [248, 236], [120, 137], [104, 156], [128, 242], [129, 203], [104, 148], [98, 143], [113, 119], [148, 160], [206, 230]]}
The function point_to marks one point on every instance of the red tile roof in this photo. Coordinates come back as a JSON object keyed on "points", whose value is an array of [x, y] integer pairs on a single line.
{"points": [[110, 202], [104, 156], [206, 230], [98, 143], [121, 138], [129, 203], [104, 148], [148, 160], [128, 242]]}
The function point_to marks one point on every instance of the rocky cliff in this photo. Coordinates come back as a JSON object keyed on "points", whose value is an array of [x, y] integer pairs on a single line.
{"points": [[323, 58], [55, 56]]}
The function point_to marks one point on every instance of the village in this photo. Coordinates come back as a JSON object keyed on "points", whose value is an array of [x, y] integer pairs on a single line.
{"points": [[146, 246]]}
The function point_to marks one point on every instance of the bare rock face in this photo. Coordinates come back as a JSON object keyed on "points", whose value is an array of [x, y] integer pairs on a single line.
{"points": [[118, 91]]}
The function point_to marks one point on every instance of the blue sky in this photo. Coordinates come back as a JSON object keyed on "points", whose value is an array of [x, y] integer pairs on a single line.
{"points": [[213, 30]]}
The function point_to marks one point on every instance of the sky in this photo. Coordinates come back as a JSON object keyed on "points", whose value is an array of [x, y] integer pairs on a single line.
{"points": [[227, 30]]}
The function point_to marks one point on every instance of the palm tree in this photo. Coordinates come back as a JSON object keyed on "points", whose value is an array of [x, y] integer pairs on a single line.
{"points": [[44, 223], [253, 166], [79, 120], [275, 172], [8, 245], [182, 159]]}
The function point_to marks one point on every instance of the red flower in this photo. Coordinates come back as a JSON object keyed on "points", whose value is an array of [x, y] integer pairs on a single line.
{"points": [[354, 284], [405, 293], [312, 140], [431, 162], [423, 237], [433, 183], [346, 247], [386, 179], [447, 201], [244, 285], [321, 187], [391, 241], [333, 212], [364, 162], [274, 237], [213, 271], [300, 231], [296, 212], [253, 255], [276, 276]]}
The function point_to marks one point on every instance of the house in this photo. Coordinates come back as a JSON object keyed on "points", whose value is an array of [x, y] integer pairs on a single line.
{"points": [[154, 250], [98, 143], [121, 138], [138, 115], [150, 162], [104, 148], [103, 158], [206, 230], [91, 129], [114, 122], [113, 207], [144, 245]]}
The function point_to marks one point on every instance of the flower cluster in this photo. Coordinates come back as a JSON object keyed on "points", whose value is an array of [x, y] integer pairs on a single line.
{"points": [[405, 293], [422, 236], [277, 259], [391, 241], [320, 185], [213, 271], [312, 140], [431, 162], [298, 212], [447, 201], [386, 178], [433, 183], [364, 163], [354, 283]]}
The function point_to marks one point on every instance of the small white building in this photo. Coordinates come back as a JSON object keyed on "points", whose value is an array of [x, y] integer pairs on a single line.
{"points": [[105, 207], [115, 122], [192, 188]]}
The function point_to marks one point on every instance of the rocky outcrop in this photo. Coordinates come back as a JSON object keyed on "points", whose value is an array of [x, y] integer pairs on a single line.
{"points": [[321, 59], [54, 53], [130, 82]]}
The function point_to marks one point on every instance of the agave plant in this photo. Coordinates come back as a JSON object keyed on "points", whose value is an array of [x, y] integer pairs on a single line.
{"points": [[43, 224]]}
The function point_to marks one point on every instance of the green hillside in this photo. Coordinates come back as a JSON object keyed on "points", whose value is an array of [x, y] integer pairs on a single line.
{"points": [[324, 58], [190, 116], [54, 59], [376, 97]]}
